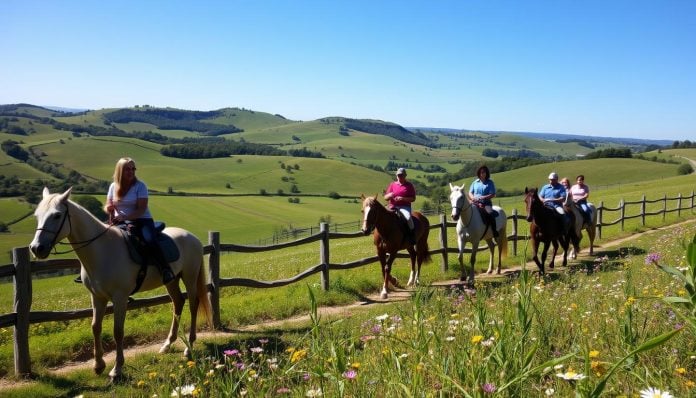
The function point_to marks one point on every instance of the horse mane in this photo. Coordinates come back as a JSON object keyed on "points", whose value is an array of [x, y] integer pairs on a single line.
{"points": [[53, 201]]}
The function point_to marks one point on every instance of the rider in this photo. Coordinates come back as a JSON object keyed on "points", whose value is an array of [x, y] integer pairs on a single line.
{"points": [[481, 191], [554, 196], [127, 201], [401, 194], [580, 192]]}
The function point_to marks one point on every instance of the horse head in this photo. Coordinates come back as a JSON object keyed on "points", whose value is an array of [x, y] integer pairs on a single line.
{"points": [[531, 199], [369, 203], [458, 200], [51, 216]]}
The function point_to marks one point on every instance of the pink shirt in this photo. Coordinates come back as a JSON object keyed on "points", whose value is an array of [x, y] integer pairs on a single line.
{"points": [[578, 191], [405, 190]]}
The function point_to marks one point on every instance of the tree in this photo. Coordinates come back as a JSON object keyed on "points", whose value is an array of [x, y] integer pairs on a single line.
{"points": [[92, 205]]}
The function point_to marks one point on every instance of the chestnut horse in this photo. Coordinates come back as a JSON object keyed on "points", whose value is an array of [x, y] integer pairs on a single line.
{"points": [[389, 238], [546, 226], [109, 273]]}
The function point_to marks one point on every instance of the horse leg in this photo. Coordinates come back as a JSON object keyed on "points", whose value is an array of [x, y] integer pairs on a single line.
{"points": [[177, 308], [565, 244], [98, 309], [535, 251], [544, 252], [413, 276], [491, 248], [120, 306], [472, 263], [385, 274], [554, 243], [591, 236], [460, 257]]}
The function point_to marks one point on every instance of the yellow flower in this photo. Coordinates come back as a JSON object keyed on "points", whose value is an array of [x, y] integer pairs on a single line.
{"points": [[574, 306], [290, 350], [355, 365], [680, 371], [152, 375], [689, 384], [298, 355], [141, 384], [594, 354], [420, 366], [476, 339], [629, 301], [190, 364], [598, 368]]}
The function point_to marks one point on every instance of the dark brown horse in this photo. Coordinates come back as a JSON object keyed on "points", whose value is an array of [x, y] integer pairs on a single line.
{"points": [[390, 237], [546, 226]]}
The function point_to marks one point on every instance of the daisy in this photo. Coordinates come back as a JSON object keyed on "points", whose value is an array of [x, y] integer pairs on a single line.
{"points": [[653, 392]]}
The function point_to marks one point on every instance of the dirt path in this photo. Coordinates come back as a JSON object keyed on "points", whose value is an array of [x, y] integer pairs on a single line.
{"points": [[325, 312]]}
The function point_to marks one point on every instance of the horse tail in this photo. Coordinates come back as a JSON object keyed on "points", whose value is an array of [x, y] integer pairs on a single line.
{"points": [[205, 308], [422, 248], [503, 240]]}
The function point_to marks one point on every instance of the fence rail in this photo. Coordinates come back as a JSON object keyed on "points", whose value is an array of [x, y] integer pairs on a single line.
{"points": [[22, 268]]}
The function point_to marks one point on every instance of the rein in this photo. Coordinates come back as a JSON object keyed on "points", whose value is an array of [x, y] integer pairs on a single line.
{"points": [[461, 210], [84, 243]]}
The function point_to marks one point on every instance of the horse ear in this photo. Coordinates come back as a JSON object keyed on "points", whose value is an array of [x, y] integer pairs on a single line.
{"points": [[362, 196], [462, 187], [451, 187], [526, 190], [45, 192], [65, 195]]}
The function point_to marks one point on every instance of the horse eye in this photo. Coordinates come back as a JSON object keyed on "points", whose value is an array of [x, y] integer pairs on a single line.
{"points": [[56, 216]]}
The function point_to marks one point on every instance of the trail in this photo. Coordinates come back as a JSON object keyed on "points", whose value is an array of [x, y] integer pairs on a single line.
{"points": [[333, 312]]}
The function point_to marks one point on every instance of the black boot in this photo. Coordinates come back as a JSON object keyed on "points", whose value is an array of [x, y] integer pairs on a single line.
{"points": [[162, 264], [491, 223]]}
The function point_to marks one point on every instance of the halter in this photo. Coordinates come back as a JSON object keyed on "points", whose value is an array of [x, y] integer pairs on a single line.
{"points": [[54, 242], [461, 209]]}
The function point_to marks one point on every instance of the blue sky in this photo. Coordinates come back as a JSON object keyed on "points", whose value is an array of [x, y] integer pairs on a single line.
{"points": [[604, 68]]}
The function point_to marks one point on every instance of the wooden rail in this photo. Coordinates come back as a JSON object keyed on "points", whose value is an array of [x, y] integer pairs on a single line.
{"points": [[22, 269]]}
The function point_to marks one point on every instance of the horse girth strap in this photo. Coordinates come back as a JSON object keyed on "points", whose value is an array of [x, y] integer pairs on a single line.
{"points": [[142, 272]]}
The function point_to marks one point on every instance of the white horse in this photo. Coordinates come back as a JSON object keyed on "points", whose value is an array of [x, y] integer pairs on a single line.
{"points": [[471, 228], [110, 274], [580, 224]]}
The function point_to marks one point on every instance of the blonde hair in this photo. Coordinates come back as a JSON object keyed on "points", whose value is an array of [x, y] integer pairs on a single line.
{"points": [[566, 180], [121, 190]]}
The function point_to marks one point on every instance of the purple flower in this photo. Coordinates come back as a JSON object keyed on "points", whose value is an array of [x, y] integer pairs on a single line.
{"points": [[263, 341], [283, 390], [231, 353], [350, 374], [489, 388], [306, 376], [652, 258]]}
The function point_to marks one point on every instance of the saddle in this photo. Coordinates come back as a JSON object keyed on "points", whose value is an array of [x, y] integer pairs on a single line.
{"points": [[137, 248]]}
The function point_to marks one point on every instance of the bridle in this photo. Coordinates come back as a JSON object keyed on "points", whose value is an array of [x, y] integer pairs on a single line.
{"points": [[461, 209], [55, 233]]}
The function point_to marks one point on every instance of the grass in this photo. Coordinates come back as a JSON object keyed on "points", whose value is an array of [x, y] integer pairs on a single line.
{"points": [[521, 338]]}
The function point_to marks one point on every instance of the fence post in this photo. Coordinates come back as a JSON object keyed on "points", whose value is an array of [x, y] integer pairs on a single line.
{"points": [[622, 206], [214, 277], [324, 255], [692, 202], [642, 210], [514, 231], [22, 307], [600, 210], [664, 207], [679, 200], [443, 242]]}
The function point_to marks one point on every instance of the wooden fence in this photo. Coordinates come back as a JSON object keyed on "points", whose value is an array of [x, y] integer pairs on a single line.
{"points": [[22, 268]]}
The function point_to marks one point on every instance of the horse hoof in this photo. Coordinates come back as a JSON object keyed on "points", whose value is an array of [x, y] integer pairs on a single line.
{"points": [[383, 296], [165, 348], [99, 367], [116, 379], [187, 354], [489, 271]]}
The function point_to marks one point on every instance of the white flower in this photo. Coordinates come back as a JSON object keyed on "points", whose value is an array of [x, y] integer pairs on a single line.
{"points": [[256, 350], [653, 392], [382, 317], [570, 375], [549, 392], [314, 393], [184, 390], [558, 367], [450, 338]]}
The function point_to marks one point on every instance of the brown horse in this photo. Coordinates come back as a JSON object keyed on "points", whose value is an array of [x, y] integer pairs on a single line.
{"points": [[547, 227], [390, 237]]}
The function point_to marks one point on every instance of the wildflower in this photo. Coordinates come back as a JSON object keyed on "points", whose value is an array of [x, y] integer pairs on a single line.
{"points": [[313, 393], [298, 355], [594, 354], [570, 375], [420, 366], [141, 383], [263, 341], [597, 367], [306, 376], [489, 388], [476, 339], [382, 317], [184, 390], [680, 371], [190, 364], [653, 392], [283, 390], [689, 384], [629, 301], [230, 353], [367, 338], [450, 338], [355, 365], [488, 342], [652, 258], [256, 350], [549, 392], [350, 374]]}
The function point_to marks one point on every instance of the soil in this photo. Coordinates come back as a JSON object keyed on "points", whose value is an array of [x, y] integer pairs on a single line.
{"points": [[396, 295]]}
